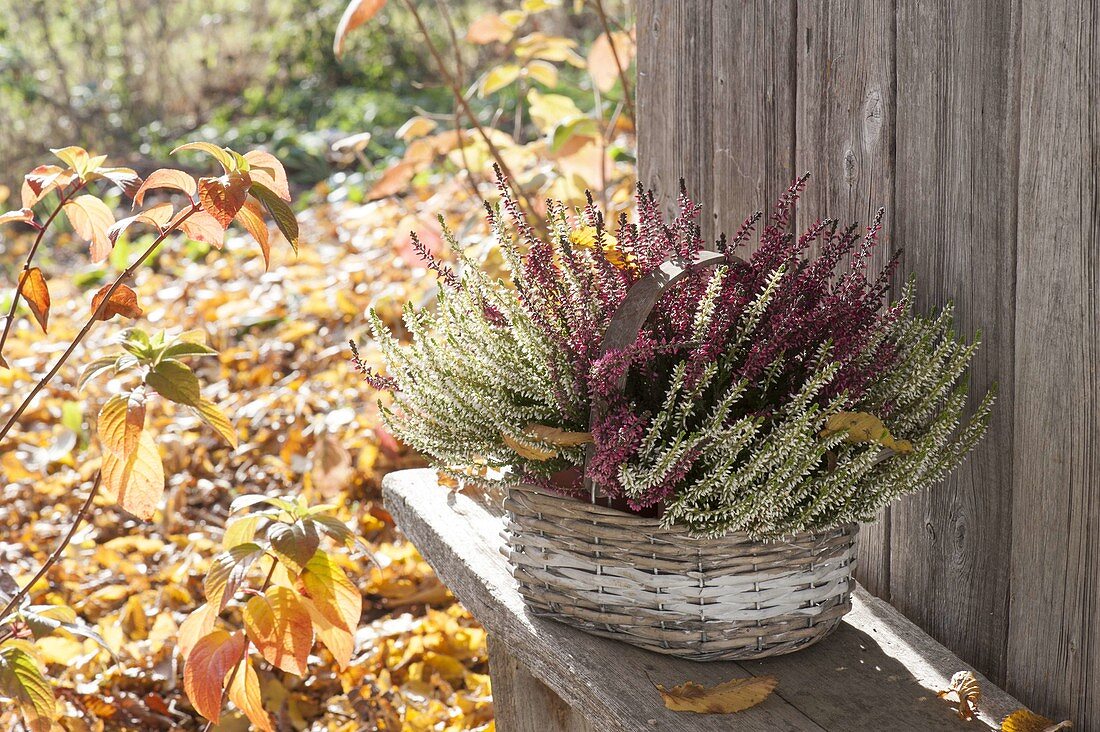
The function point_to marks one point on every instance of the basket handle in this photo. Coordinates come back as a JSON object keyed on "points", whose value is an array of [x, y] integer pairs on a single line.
{"points": [[632, 314]]}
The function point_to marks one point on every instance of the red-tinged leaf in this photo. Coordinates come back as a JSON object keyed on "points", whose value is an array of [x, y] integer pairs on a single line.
{"points": [[222, 155], [339, 641], [280, 212], [196, 625], [123, 302], [156, 216], [121, 422], [136, 483], [251, 217], [279, 625], [91, 219], [223, 197], [330, 590], [394, 180], [127, 179], [355, 14], [37, 295], [266, 170], [39, 182], [201, 226], [244, 692], [21, 215], [166, 178], [204, 673]]}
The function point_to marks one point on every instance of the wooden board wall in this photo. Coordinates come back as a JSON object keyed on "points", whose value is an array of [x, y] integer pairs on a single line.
{"points": [[977, 125]]}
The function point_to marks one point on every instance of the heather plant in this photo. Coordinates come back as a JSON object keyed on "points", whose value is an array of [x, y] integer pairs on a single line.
{"points": [[304, 594], [777, 392]]}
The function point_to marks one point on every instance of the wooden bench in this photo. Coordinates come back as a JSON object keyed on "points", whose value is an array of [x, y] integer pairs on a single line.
{"points": [[877, 672]]}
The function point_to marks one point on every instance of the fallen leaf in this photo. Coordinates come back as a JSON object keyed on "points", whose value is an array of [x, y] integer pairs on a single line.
{"points": [[1025, 720], [966, 691], [725, 698], [863, 427]]}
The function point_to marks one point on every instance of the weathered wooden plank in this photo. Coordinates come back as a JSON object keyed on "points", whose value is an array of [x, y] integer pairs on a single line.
{"points": [[844, 122], [1054, 628], [955, 217], [878, 672], [752, 108], [522, 703], [674, 43]]}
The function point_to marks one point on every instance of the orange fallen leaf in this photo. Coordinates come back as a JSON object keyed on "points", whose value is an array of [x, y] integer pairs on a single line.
{"points": [[964, 689], [725, 698]]}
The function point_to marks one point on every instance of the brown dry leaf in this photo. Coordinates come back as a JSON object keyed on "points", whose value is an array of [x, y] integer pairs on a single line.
{"points": [[394, 180], [531, 452], [1025, 720], [557, 436], [966, 691], [332, 468], [123, 302], [725, 698], [37, 296]]}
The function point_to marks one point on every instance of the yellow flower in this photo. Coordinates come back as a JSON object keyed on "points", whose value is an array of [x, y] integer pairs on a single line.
{"points": [[585, 238]]}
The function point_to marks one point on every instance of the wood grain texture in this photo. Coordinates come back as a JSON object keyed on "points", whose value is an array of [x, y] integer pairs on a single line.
{"points": [[877, 672], [1054, 621], [955, 218], [522, 703], [678, 98], [753, 77], [844, 130]]}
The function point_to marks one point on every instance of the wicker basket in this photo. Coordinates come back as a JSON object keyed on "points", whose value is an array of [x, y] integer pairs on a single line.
{"points": [[625, 577]]}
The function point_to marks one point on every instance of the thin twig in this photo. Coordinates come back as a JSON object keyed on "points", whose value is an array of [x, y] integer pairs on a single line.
{"points": [[129, 271], [615, 55], [64, 198], [456, 90], [80, 516]]}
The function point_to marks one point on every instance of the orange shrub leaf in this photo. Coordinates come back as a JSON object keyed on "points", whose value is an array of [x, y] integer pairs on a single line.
{"points": [[355, 14], [227, 571], [91, 219], [330, 590], [135, 482], [127, 179], [196, 625], [279, 625], [203, 227], [339, 641], [37, 296], [251, 217], [121, 422], [489, 29], [166, 178], [601, 59], [123, 302], [266, 170], [224, 196], [156, 216], [244, 692], [39, 182], [207, 665]]}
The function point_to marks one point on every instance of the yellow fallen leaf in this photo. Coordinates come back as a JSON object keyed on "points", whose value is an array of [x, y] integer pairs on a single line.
{"points": [[543, 433], [964, 689], [1025, 720], [725, 698], [528, 451]]}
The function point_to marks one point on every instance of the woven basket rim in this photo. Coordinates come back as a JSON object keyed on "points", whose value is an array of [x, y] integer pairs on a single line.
{"points": [[616, 517]]}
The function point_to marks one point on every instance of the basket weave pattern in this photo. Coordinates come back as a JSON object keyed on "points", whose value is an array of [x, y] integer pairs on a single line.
{"points": [[625, 577]]}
